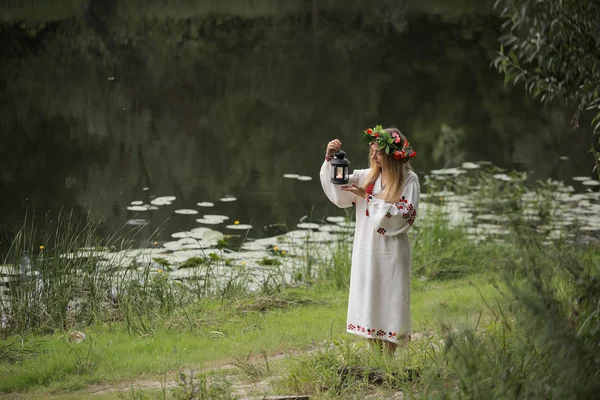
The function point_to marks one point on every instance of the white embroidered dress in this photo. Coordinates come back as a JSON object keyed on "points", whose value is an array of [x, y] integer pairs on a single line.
{"points": [[379, 301]]}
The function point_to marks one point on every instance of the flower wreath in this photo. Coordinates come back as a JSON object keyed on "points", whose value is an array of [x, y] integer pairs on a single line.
{"points": [[391, 142]]}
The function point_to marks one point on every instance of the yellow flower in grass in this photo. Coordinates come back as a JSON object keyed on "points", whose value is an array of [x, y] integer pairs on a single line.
{"points": [[236, 222], [283, 252], [275, 248], [42, 247], [243, 262], [159, 271]]}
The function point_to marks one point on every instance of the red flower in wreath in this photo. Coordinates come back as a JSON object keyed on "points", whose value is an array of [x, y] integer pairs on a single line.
{"points": [[369, 131]]}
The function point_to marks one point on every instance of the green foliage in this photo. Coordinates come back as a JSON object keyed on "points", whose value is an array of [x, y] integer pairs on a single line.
{"points": [[541, 341], [343, 368], [85, 358], [269, 261], [161, 261], [254, 367], [49, 286], [444, 252], [203, 386], [553, 48], [196, 261]]}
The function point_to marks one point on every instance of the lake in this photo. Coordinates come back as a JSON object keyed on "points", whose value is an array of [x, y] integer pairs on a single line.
{"points": [[110, 107]]}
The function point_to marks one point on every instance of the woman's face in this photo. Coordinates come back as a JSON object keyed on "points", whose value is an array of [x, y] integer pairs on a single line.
{"points": [[376, 155]]}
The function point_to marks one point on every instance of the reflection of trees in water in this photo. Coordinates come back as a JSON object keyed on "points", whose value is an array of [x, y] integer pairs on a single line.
{"points": [[227, 105]]}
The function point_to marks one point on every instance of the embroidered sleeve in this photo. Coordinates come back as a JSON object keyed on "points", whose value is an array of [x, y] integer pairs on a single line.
{"points": [[395, 219], [333, 192]]}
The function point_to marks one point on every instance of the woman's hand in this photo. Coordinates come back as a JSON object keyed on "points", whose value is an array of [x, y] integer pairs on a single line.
{"points": [[357, 190], [333, 147]]}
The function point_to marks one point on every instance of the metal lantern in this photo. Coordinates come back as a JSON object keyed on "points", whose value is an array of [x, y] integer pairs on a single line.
{"points": [[340, 165]]}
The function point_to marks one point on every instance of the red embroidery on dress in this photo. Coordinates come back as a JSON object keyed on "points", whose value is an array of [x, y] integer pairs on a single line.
{"points": [[367, 212], [408, 210], [369, 190], [410, 214], [381, 231], [388, 215], [372, 331]]}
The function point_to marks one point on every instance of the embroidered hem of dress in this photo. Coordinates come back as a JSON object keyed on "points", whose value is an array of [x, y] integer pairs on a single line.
{"points": [[393, 339]]}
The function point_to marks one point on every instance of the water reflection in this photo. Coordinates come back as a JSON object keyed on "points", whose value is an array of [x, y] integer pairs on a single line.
{"points": [[222, 110]]}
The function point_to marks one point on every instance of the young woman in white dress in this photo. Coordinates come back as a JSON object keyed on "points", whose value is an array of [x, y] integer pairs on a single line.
{"points": [[386, 198]]}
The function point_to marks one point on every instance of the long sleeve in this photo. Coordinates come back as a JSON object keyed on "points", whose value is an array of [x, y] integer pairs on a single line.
{"points": [[397, 218], [333, 192]]}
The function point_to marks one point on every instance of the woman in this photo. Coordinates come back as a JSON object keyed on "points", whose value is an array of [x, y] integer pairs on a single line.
{"points": [[386, 197]]}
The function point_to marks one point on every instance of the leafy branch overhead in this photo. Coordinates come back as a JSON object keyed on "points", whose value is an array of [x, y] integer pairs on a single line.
{"points": [[553, 48]]}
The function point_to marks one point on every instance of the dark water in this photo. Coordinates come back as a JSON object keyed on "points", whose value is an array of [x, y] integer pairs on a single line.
{"points": [[99, 113]]}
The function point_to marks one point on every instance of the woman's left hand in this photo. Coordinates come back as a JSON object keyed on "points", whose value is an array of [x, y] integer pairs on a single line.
{"points": [[357, 190]]}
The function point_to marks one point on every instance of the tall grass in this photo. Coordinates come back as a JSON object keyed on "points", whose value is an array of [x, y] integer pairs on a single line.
{"points": [[442, 251], [46, 284], [544, 344]]}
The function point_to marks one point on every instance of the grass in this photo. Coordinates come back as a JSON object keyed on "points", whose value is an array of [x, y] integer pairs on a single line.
{"points": [[225, 330]]}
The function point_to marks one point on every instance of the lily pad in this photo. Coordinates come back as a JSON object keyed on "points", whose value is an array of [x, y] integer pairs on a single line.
{"points": [[304, 178], [291, 176], [205, 204], [448, 171], [186, 211], [163, 201], [209, 221], [137, 203], [141, 208], [307, 225], [228, 199], [183, 234], [216, 216], [137, 222], [590, 182], [503, 177], [337, 219], [241, 227], [470, 165]]}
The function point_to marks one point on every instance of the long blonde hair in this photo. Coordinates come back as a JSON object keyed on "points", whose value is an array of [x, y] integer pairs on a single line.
{"points": [[394, 172]]}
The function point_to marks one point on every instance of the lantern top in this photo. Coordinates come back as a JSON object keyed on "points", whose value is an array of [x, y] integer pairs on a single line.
{"points": [[340, 158]]}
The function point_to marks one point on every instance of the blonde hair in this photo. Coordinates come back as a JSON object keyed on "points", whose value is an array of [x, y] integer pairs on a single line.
{"points": [[394, 173]]}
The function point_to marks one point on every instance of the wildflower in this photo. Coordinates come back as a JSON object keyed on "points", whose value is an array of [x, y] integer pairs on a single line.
{"points": [[160, 271], [275, 248], [155, 243], [369, 131], [243, 262], [42, 247], [236, 222], [283, 252]]}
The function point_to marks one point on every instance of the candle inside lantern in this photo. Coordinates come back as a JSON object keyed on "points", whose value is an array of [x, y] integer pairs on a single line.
{"points": [[340, 164]]}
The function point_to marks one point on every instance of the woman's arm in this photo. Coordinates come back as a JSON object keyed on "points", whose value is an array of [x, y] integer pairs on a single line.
{"points": [[397, 218], [333, 192]]}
